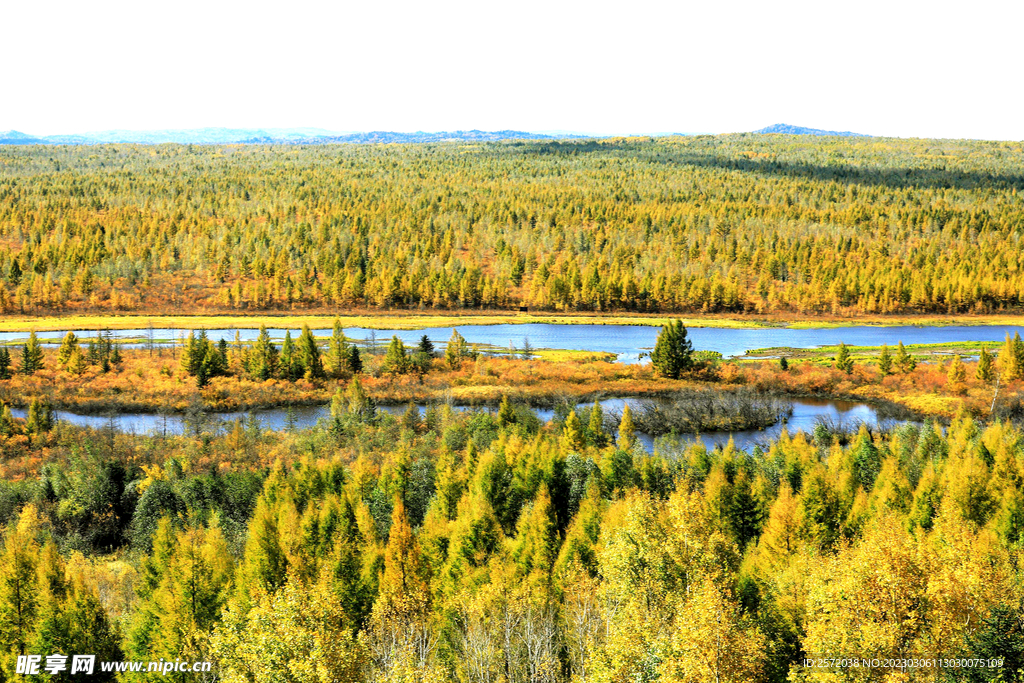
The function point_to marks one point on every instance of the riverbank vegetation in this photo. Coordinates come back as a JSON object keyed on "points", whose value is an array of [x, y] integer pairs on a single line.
{"points": [[739, 224], [101, 377], [490, 546]]}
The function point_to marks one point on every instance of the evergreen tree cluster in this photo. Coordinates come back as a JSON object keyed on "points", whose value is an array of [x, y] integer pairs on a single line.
{"points": [[202, 358]]}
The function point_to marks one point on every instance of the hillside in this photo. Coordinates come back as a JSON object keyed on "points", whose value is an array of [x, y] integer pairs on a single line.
{"points": [[799, 225], [786, 129]]}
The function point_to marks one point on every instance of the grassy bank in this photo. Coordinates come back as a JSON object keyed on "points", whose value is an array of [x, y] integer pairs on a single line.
{"points": [[146, 382], [827, 353]]}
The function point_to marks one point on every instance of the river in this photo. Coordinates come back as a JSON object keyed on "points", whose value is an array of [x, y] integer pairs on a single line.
{"points": [[806, 414], [628, 342]]}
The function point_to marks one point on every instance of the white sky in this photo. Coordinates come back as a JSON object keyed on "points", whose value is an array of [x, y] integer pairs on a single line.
{"points": [[920, 69]]}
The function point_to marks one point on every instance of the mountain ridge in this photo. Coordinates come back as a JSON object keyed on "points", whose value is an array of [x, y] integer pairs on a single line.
{"points": [[265, 136], [788, 129]]}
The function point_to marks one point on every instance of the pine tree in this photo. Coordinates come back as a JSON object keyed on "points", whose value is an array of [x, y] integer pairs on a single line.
{"points": [[405, 585], [673, 353], [262, 357], [627, 432], [904, 361], [93, 354], [19, 588], [425, 345], [40, 417], [957, 372], [31, 356], [71, 617], [1007, 361], [595, 426], [536, 546], [843, 360], [76, 364], [14, 273], [7, 426], [5, 363], [190, 358], [308, 355], [222, 356], [67, 348], [265, 562], [984, 371], [572, 433], [192, 593], [360, 405], [289, 365], [396, 362], [456, 350], [885, 361], [506, 413], [355, 362], [203, 372], [338, 355], [781, 535]]}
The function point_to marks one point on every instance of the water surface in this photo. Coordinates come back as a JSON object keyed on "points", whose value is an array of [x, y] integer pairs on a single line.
{"points": [[628, 342]]}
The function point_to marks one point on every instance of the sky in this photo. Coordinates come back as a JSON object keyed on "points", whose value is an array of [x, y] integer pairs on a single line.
{"points": [[908, 69]]}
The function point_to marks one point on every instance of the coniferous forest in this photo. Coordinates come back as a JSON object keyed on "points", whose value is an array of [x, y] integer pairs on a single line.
{"points": [[726, 224], [478, 515]]}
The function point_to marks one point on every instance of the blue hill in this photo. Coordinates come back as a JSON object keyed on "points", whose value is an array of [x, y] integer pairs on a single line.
{"points": [[267, 136], [786, 129]]}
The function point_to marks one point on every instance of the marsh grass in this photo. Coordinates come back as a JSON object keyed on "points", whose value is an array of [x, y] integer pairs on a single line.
{"points": [[694, 411]]}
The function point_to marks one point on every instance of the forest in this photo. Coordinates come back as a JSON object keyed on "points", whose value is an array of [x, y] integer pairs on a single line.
{"points": [[733, 224], [458, 513], [489, 546]]}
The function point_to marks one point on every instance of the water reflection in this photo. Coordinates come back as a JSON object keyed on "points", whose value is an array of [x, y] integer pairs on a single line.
{"points": [[806, 414]]}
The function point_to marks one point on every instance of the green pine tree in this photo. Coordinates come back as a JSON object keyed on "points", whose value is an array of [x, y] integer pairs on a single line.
{"points": [[289, 365], [843, 360], [456, 351], [339, 351], [984, 371], [31, 356], [673, 353], [308, 355], [355, 362], [262, 357], [425, 345], [904, 361], [396, 361], [885, 361]]}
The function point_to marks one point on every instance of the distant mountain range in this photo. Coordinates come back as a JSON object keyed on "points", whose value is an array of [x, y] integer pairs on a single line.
{"points": [[319, 136], [787, 129], [267, 136]]}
